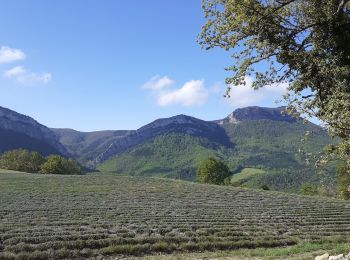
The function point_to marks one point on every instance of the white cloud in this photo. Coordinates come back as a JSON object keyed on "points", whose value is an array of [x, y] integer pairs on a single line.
{"points": [[158, 82], [245, 95], [192, 93], [8, 54], [217, 88], [25, 77], [14, 72]]}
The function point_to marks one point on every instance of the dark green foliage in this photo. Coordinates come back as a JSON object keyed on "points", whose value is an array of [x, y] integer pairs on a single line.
{"points": [[56, 164], [21, 160], [304, 44], [212, 171], [264, 144], [343, 180], [170, 155], [265, 187], [33, 162], [309, 189]]}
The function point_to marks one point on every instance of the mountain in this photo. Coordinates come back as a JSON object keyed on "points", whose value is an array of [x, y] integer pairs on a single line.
{"points": [[173, 155], [248, 138], [93, 148], [87, 146], [177, 124], [257, 113], [260, 145], [21, 131]]}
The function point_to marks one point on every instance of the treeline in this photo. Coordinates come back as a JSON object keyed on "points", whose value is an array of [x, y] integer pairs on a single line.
{"points": [[33, 162]]}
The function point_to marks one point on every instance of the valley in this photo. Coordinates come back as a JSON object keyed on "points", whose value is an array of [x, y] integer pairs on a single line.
{"points": [[252, 137]]}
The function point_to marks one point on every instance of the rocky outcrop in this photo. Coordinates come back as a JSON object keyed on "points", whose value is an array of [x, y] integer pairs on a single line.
{"points": [[326, 256], [256, 113], [322, 257]]}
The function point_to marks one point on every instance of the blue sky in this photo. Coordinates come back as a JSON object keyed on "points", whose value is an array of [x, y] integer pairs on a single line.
{"points": [[94, 65]]}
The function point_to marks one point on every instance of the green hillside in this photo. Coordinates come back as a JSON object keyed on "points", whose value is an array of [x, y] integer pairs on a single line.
{"points": [[272, 146], [81, 216], [169, 155], [246, 174], [253, 137], [85, 146]]}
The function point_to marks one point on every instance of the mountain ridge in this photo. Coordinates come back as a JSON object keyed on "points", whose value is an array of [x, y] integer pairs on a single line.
{"points": [[180, 123], [18, 130], [95, 147], [251, 137], [257, 113]]}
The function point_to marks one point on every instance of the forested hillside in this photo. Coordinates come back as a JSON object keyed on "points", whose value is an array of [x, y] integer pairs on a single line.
{"points": [[86, 146], [272, 145], [252, 137]]}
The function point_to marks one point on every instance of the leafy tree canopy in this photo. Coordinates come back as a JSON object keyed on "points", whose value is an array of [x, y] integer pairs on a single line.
{"points": [[343, 180], [56, 164], [33, 162], [305, 44], [21, 160], [212, 171]]}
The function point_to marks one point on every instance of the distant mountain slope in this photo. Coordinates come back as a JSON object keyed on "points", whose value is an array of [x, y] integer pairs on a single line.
{"points": [[20, 131], [10, 140], [252, 137], [86, 146], [177, 124], [173, 155], [264, 140], [275, 146]]}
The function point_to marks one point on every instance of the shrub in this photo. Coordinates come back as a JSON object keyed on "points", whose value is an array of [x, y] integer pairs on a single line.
{"points": [[56, 164], [212, 171], [308, 189], [265, 187]]}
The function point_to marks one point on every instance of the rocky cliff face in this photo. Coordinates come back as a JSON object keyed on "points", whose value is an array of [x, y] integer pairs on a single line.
{"points": [[256, 113], [11, 121]]}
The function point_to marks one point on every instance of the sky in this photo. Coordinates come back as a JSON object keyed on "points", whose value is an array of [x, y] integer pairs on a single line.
{"points": [[112, 64]]}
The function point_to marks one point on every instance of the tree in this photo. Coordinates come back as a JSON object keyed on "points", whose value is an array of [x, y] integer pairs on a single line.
{"points": [[71, 167], [212, 171], [304, 44], [35, 161], [21, 160], [56, 164], [53, 165], [343, 180]]}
